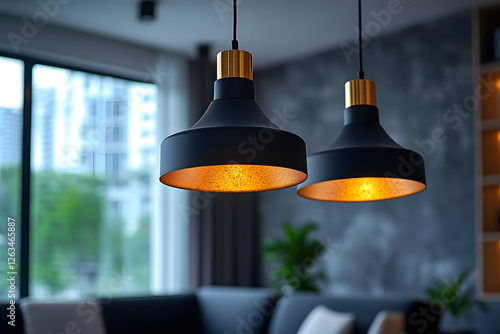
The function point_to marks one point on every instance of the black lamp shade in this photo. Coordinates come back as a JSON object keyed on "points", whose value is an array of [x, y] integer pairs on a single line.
{"points": [[234, 147], [363, 164]]}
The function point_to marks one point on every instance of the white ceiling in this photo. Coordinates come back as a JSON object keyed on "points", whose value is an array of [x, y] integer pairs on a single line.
{"points": [[273, 30]]}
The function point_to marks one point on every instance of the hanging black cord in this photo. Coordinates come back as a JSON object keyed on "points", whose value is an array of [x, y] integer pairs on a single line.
{"points": [[361, 74], [235, 23]]}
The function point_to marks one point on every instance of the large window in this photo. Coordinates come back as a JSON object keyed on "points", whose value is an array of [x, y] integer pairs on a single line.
{"points": [[94, 153], [11, 120], [79, 176]]}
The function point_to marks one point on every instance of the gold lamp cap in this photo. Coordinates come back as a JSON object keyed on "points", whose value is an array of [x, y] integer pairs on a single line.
{"points": [[234, 64], [360, 91]]}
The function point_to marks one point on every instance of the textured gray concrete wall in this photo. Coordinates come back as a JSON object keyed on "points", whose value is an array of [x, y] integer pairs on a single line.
{"points": [[398, 246]]}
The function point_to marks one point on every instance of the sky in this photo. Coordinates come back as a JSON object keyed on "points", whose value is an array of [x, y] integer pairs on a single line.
{"points": [[11, 83]]}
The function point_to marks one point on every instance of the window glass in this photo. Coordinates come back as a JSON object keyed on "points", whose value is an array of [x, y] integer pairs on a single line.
{"points": [[11, 123], [93, 145]]}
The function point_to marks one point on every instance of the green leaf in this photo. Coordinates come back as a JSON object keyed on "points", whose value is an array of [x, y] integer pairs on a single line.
{"points": [[463, 276], [290, 232]]}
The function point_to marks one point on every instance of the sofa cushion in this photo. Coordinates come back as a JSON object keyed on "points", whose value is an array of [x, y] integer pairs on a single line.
{"points": [[155, 314], [229, 310], [291, 311], [67, 317], [322, 320], [388, 323]]}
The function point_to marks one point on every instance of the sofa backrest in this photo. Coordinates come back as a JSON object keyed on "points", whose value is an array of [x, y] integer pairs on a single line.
{"points": [[154, 314], [42, 317], [212, 310], [230, 310], [291, 311]]}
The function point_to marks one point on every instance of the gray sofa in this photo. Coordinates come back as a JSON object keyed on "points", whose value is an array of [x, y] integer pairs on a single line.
{"points": [[211, 310], [291, 311], [226, 310]]}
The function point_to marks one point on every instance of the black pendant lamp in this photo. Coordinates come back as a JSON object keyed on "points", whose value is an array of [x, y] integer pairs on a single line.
{"points": [[234, 147], [364, 163]]}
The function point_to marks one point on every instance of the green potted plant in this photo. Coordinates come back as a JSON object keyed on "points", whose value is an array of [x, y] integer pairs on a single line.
{"points": [[455, 299], [295, 254]]}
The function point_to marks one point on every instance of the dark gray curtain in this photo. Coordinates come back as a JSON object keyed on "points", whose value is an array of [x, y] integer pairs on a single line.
{"points": [[224, 228]]}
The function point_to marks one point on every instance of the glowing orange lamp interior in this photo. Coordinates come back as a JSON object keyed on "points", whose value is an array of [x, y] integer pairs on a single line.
{"points": [[361, 189], [234, 178]]}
